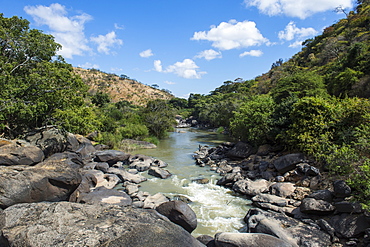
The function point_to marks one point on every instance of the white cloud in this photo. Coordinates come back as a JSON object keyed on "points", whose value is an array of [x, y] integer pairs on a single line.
{"points": [[88, 65], [146, 53], [158, 66], [232, 34], [186, 69], [170, 82], [68, 31], [209, 54], [253, 53], [297, 8], [292, 32], [116, 26], [105, 42]]}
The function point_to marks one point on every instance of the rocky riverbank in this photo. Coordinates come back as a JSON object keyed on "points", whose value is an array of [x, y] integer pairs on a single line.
{"points": [[58, 189], [292, 199]]}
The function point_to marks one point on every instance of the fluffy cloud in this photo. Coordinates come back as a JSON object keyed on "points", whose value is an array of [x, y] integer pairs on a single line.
{"points": [[297, 8], [68, 31], [146, 53], [209, 54], [232, 34], [253, 53], [186, 69], [88, 65], [105, 42], [292, 32], [158, 66]]}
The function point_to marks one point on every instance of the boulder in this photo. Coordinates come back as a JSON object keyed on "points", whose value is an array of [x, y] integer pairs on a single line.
{"points": [[111, 156], [325, 195], [241, 150], [85, 147], [288, 162], [13, 154], [272, 199], [102, 166], [159, 163], [201, 180], [251, 188], [154, 201], [226, 239], [126, 176], [349, 225], [206, 240], [51, 180], [229, 178], [140, 166], [100, 179], [348, 207], [179, 213], [141, 158], [159, 172], [73, 224], [49, 139], [313, 206], [286, 228], [341, 189], [104, 195], [282, 189]]}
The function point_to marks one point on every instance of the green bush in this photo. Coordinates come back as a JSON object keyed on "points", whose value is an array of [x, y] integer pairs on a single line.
{"points": [[253, 122]]}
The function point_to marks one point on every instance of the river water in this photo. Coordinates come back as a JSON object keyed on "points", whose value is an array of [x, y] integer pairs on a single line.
{"points": [[217, 208]]}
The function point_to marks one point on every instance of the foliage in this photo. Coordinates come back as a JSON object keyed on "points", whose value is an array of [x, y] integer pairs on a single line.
{"points": [[159, 117], [35, 83], [253, 122], [299, 84]]}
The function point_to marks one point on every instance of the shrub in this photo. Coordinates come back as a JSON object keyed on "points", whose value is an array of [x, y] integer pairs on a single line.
{"points": [[253, 122]]}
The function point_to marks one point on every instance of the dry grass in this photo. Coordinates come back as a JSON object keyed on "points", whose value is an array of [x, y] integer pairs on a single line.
{"points": [[120, 89]]}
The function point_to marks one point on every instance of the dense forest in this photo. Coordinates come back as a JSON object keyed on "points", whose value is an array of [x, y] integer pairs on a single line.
{"points": [[317, 102]]}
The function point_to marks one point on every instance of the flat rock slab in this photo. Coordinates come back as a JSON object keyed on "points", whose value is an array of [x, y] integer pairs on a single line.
{"points": [[19, 155], [72, 224], [52, 180], [226, 239]]}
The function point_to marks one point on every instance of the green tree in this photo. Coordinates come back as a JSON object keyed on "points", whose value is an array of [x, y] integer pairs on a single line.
{"points": [[159, 118], [253, 121], [34, 82], [300, 84]]}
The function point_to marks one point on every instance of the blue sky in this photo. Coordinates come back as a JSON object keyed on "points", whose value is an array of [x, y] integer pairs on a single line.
{"points": [[185, 46]]}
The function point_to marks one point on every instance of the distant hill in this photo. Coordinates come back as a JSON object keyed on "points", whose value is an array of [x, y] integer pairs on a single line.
{"points": [[121, 88]]}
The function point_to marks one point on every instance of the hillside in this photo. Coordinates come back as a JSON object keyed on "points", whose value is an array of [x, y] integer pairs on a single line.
{"points": [[120, 88]]}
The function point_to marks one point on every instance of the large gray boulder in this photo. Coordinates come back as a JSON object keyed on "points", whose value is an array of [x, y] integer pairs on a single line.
{"points": [[251, 188], [288, 162], [286, 228], [226, 239], [159, 172], [104, 195], [313, 206], [111, 156], [127, 176], [179, 213], [241, 150], [51, 180], [350, 225], [13, 154], [72, 224], [49, 139]]}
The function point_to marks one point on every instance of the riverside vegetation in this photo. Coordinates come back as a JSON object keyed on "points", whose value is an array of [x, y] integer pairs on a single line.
{"points": [[316, 102]]}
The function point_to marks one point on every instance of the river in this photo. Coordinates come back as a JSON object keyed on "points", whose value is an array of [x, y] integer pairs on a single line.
{"points": [[217, 208]]}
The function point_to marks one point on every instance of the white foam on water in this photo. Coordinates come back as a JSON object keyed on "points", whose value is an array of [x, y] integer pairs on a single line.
{"points": [[216, 209]]}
